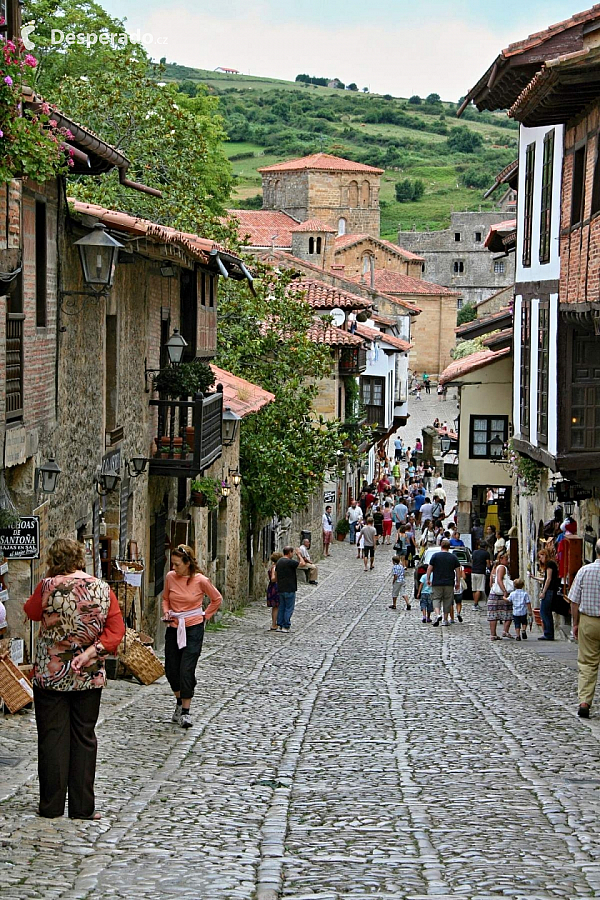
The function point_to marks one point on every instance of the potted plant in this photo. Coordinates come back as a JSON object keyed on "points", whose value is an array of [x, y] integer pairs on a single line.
{"points": [[206, 491], [342, 528], [184, 380]]}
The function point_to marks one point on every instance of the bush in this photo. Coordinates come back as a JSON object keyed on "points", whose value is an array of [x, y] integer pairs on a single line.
{"points": [[342, 527], [461, 140], [415, 100], [466, 313], [255, 202], [409, 191], [184, 380]]}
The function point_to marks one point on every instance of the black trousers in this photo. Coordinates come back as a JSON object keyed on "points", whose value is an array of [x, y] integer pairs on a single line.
{"points": [[180, 665], [67, 749]]}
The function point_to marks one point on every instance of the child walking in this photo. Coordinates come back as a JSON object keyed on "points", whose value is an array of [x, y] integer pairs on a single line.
{"points": [[398, 583], [424, 596], [521, 603]]}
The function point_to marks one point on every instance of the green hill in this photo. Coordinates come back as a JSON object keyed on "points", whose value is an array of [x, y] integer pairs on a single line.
{"points": [[416, 140]]}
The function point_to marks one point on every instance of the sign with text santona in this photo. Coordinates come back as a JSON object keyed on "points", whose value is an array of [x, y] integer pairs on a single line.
{"points": [[21, 541]]}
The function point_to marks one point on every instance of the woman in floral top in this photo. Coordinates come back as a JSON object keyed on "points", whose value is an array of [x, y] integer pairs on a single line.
{"points": [[80, 623]]}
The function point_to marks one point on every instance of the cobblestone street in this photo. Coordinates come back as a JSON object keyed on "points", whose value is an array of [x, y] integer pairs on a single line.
{"points": [[365, 754]]}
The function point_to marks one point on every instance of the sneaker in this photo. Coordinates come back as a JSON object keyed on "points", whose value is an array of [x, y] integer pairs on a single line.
{"points": [[518, 637], [424, 620], [459, 617], [583, 712], [186, 720], [429, 621], [286, 630], [279, 628], [476, 606], [444, 623], [437, 622], [391, 607], [524, 635], [408, 605], [176, 719]]}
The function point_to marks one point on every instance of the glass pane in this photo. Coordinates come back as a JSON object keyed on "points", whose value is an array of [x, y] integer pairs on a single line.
{"points": [[497, 425], [479, 450], [577, 438], [377, 395], [480, 425]]}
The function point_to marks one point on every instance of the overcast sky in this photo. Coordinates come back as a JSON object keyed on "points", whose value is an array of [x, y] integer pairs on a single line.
{"points": [[400, 47]]}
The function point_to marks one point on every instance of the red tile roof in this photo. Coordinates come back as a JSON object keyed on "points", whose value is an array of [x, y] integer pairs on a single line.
{"points": [[196, 246], [395, 283], [461, 367], [540, 37], [264, 227], [343, 241], [322, 162], [314, 225], [321, 333], [325, 296], [506, 227], [241, 396], [372, 334]]}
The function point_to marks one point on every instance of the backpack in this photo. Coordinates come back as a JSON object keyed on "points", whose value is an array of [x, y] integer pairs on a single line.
{"points": [[437, 510]]}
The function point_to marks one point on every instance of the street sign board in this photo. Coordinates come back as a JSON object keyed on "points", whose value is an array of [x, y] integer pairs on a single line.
{"points": [[21, 541]]}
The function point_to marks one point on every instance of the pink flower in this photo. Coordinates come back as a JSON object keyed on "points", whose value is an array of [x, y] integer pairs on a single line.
{"points": [[8, 80], [1, 133], [52, 123], [45, 108], [30, 61]]}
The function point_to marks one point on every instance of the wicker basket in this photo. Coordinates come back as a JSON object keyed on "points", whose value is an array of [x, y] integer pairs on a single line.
{"points": [[139, 659], [15, 688]]}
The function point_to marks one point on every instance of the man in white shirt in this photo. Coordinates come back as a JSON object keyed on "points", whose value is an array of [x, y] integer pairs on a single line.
{"points": [[306, 562], [327, 530], [354, 515]]}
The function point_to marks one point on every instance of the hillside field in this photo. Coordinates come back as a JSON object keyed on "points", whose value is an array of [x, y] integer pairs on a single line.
{"points": [[269, 120]]}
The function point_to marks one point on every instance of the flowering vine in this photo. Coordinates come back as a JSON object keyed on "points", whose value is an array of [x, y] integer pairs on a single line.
{"points": [[31, 143], [528, 471]]}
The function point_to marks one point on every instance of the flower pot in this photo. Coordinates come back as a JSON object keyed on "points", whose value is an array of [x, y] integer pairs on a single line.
{"points": [[198, 498], [177, 447], [190, 437], [340, 536]]}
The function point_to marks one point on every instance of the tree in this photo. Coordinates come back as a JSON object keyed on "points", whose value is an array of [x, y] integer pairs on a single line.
{"points": [[285, 448], [353, 86], [365, 90], [466, 313], [407, 190], [173, 142], [432, 98], [461, 140], [415, 100], [189, 87]]}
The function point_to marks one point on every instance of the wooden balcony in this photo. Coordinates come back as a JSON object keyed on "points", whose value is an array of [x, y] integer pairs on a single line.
{"points": [[353, 361], [189, 435]]}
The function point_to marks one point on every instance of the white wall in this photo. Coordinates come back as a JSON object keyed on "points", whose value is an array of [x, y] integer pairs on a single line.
{"points": [[551, 270], [380, 365]]}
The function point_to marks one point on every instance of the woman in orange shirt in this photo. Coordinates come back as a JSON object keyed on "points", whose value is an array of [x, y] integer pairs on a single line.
{"points": [[184, 613]]}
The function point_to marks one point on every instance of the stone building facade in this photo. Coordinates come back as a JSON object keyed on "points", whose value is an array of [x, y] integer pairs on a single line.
{"points": [[359, 255], [456, 257], [341, 193]]}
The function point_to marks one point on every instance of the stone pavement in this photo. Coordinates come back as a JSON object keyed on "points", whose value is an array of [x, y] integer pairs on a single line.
{"points": [[364, 754]]}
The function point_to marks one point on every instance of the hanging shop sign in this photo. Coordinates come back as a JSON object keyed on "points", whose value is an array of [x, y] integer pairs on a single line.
{"points": [[328, 497], [568, 490], [21, 541]]}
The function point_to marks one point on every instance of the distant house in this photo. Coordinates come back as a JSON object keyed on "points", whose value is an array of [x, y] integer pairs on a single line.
{"points": [[227, 71]]}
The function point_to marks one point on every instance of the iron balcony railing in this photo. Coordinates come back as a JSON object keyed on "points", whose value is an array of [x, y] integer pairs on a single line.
{"points": [[189, 436]]}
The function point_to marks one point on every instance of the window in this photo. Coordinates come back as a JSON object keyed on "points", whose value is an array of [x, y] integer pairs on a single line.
{"points": [[188, 312], [478, 237], [525, 366], [484, 429], [528, 205], [365, 193], [460, 303], [459, 267], [499, 267], [319, 244], [353, 193], [422, 267], [578, 186], [311, 246], [596, 187], [546, 211], [41, 264], [542, 385], [372, 397], [457, 235], [585, 393], [112, 380], [341, 226]]}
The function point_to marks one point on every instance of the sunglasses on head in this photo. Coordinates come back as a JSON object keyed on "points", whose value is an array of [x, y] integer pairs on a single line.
{"points": [[181, 549]]}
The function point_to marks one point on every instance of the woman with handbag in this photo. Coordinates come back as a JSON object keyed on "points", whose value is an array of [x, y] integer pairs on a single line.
{"points": [[499, 606], [548, 594], [80, 623], [183, 611]]}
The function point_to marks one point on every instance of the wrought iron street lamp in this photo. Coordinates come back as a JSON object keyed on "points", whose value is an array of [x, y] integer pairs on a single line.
{"points": [[225, 488], [98, 253], [136, 466], [236, 477], [107, 482], [552, 495], [496, 446], [445, 443], [46, 476], [231, 422], [175, 347]]}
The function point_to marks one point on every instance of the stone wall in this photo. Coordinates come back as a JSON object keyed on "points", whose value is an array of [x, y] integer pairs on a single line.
{"points": [[441, 250], [352, 258], [432, 331]]}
